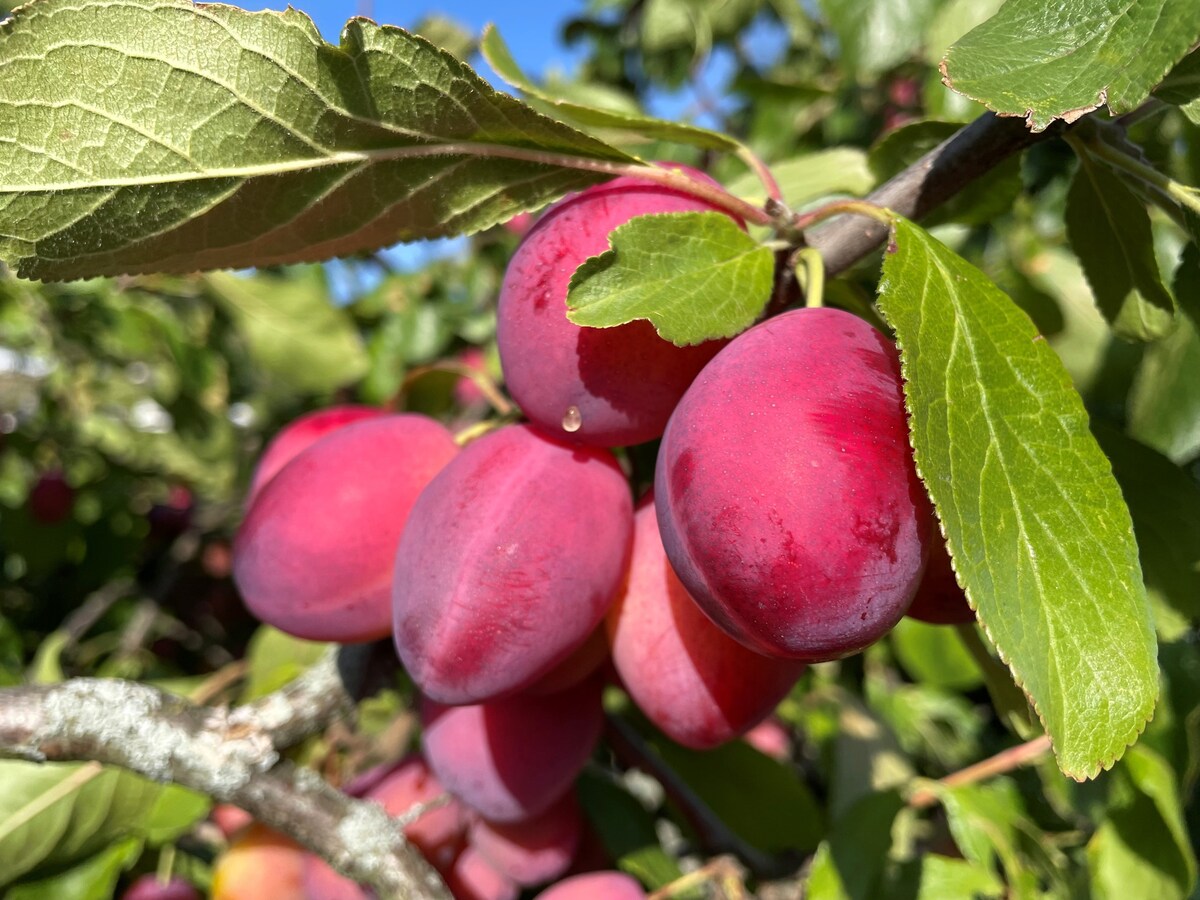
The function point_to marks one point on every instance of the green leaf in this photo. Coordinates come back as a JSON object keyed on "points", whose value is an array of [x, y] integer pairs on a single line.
{"points": [[274, 659], [759, 798], [811, 176], [1164, 502], [93, 879], [695, 276], [979, 203], [627, 831], [298, 339], [988, 823], [500, 58], [1187, 275], [866, 756], [1182, 86], [1109, 230], [942, 876], [935, 655], [849, 864], [1142, 850], [54, 815], [163, 136], [877, 35], [1034, 519], [1048, 61], [1164, 404]]}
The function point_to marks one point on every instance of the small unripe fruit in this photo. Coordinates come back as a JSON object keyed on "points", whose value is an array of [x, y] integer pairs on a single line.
{"points": [[598, 386], [787, 496]]}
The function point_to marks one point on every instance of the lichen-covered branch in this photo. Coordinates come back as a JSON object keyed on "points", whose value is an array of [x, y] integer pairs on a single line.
{"points": [[937, 176], [230, 755]]}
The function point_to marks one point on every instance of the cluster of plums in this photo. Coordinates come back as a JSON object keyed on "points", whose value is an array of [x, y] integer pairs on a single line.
{"points": [[786, 525]]}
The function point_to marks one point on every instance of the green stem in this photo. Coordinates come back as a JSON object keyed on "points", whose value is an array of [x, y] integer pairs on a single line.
{"points": [[1185, 196], [810, 268], [854, 207]]}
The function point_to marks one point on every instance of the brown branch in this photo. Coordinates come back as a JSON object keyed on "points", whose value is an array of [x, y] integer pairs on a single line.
{"points": [[937, 176], [230, 755], [1002, 762]]}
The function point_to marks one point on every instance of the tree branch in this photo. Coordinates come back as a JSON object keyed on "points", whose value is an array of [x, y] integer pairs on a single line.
{"points": [[230, 755], [929, 182]]}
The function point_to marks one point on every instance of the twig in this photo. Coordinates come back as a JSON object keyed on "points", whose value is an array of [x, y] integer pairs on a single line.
{"points": [[232, 756], [1004, 761], [93, 608], [929, 182]]}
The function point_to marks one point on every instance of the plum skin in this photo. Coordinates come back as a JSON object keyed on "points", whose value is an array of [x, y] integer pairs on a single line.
{"points": [[940, 600], [691, 679], [623, 381], [313, 556], [788, 499], [510, 559]]}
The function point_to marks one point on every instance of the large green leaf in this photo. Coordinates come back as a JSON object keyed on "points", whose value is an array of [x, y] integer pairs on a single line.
{"points": [[53, 815], [1048, 61], [93, 879], [1034, 519], [500, 58], [1109, 230], [1141, 851], [695, 276], [158, 135], [299, 340]]}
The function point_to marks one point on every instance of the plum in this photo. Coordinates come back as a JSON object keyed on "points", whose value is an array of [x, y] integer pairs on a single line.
{"points": [[314, 555], [612, 386], [939, 599], [302, 433], [536, 850], [322, 882], [691, 679], [148, 887], [511, 557], [593, 886], [787, 496], [51, 498], [260, 863], [474, 878], [510, 760]]}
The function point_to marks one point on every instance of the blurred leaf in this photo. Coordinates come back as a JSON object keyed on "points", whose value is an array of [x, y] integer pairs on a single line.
{"points": [[93, 879], [935, 655], [929, 722], [1164, 404], [987, 821], [811, 176], [849, 863], [301, 342], [54, 815], [877, 35], [1109, 230], [627, 831], [865, 756], [1164, 502], [446, 34], [1061, 60], [695, 276], [759, 798], [979, 203], [1142, 850], [953, 19], [500, 58], [1187, 275], [273, 659], [943, 876], [1034, 519], [46, 667], [210, 137]]}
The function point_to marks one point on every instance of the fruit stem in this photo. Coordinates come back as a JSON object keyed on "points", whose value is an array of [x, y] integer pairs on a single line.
{"points": [[166, 863], [1002, 762], [762, 170], [486, 385], [479, 429], [810, 269], [855, 207]]}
